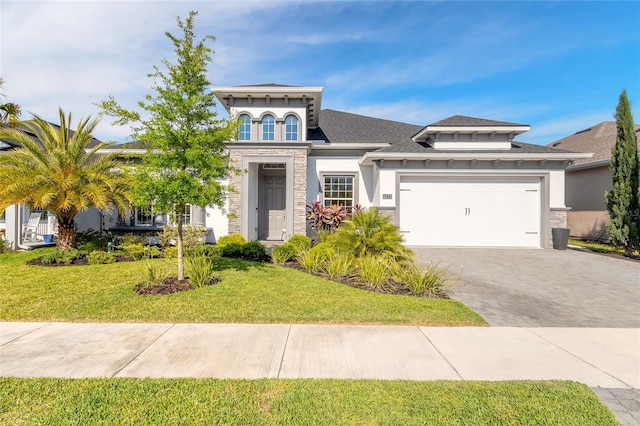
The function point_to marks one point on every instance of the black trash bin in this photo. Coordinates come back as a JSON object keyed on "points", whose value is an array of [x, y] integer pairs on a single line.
{"points": [[560, 237]]}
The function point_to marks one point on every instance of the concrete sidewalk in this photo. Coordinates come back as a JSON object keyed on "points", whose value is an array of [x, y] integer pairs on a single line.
{"points": [[598, 357]]}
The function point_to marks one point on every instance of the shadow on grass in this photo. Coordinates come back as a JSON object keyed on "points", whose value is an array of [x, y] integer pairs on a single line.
{"points": [[223, 263]]}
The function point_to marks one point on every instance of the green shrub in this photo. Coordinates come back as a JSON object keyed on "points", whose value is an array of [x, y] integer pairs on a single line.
{"points": [[430, 281], [134, 250], [254, 251], [313, 260], [375, 273], [208, 250], [154, 274], [91, 240], [339, 265], [100, 257], [170, 252], [231, 250], [228, 239], [4, 247], [249, 251], [370, 232], [300, 242], [283, 253], [65, 257], [151, 252], [191, 235], [200, 271], [131, 239]]}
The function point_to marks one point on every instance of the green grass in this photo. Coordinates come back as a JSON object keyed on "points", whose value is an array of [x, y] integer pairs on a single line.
{"points": [[297, 402], [249, 293], [601, 247]]}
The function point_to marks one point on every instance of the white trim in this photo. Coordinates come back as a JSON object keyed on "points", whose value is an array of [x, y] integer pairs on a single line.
{"points": [[472, 129], [369, 157]]}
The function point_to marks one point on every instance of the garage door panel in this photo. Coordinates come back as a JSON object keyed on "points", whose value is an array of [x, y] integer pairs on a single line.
{"points": [[455, 211]]}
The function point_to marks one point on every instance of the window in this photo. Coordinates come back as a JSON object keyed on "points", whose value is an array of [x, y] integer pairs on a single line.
{"points": [[268, 128], [291, 128], [245, 128], [339, 190], [186, 215], [44, 214], [144, 216]]}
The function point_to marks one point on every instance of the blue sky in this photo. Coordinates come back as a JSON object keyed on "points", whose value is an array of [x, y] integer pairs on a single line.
{"points": [[558, 66]]}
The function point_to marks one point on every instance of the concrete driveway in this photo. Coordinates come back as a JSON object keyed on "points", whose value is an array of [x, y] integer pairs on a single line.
{"points": [[543, 288]]}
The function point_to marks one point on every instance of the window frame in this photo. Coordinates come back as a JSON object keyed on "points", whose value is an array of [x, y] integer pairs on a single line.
{"points": [[288, 132], [151, 214], [354, 188], [271, 126], [244, 127]]}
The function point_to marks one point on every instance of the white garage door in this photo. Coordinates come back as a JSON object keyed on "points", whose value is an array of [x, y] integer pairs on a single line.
{"points": [[471, 212]]}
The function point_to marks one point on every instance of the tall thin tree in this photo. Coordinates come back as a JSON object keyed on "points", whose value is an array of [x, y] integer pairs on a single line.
{"points": [[622, 200], [186, 159]]}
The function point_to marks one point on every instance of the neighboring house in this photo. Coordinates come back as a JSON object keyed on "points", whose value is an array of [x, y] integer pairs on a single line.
{"points": [[588, 179], [461, 181]]}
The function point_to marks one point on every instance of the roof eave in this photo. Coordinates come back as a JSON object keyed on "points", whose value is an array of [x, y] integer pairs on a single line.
{"points": [[369, 157]]}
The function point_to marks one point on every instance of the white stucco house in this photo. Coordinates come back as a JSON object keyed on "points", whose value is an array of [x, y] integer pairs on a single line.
{"points": [[461, 181]]}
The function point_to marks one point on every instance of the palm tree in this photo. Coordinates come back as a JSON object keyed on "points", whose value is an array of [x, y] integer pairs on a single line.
{"points": [[9, 112], [57, 170]]}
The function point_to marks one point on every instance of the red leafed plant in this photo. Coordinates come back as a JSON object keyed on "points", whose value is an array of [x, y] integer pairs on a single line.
{"points": [[329, 218]]}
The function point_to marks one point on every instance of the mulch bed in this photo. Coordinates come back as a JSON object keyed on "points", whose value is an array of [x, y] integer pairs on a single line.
{"points": [[169, 285], [398, 287], [76, 262]]}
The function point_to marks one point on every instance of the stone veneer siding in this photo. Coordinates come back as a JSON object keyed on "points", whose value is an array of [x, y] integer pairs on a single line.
{"points": [[299, 155], [557, 219]]}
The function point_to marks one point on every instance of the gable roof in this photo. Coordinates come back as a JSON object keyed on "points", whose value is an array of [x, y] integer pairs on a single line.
{"points": [[598, 139]]}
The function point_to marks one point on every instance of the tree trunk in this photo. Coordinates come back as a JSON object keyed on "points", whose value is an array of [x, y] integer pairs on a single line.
{"points": [[179, 212], [66, 234]]}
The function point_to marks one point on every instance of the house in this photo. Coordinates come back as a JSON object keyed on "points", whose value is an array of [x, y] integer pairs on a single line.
{"points": [[588, 179], [461, 181]]}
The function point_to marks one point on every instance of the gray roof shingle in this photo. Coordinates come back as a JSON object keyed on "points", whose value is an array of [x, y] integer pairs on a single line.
{"points": [[464, 121], [345, 127], [598, 139]]}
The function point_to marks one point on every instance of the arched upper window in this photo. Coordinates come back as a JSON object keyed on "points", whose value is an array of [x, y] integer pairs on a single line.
{"points": [[268, 128], [291, 128], [244, 131]]}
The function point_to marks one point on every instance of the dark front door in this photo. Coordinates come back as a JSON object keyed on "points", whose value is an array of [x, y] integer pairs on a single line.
{"points": [[272, 218]]}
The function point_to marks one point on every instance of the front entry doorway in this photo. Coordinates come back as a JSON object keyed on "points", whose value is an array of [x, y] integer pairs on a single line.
{"points": [[272, 204]]}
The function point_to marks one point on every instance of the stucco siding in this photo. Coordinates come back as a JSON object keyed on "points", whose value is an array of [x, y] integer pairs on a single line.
{"points": [[585, 188]]}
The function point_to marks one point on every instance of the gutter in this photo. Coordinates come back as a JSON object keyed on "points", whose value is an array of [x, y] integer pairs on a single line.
{"points": [[370, 157]]}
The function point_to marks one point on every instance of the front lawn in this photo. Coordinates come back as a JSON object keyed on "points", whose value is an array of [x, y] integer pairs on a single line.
{"points": [[297, 402], [249, 293]]}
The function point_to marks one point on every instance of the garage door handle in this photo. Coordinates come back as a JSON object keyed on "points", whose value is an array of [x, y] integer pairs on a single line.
{"points": [[405, 232], [467, 211], [531, 233]]}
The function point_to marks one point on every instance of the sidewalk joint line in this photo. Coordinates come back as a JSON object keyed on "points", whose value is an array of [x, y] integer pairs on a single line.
{"points": [[27, 333], [284, 351], [143, 350], [577, 357], [441, 354]]}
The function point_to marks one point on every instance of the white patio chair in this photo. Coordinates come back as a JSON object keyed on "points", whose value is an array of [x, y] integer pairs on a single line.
{"points": [[30, 230]]}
